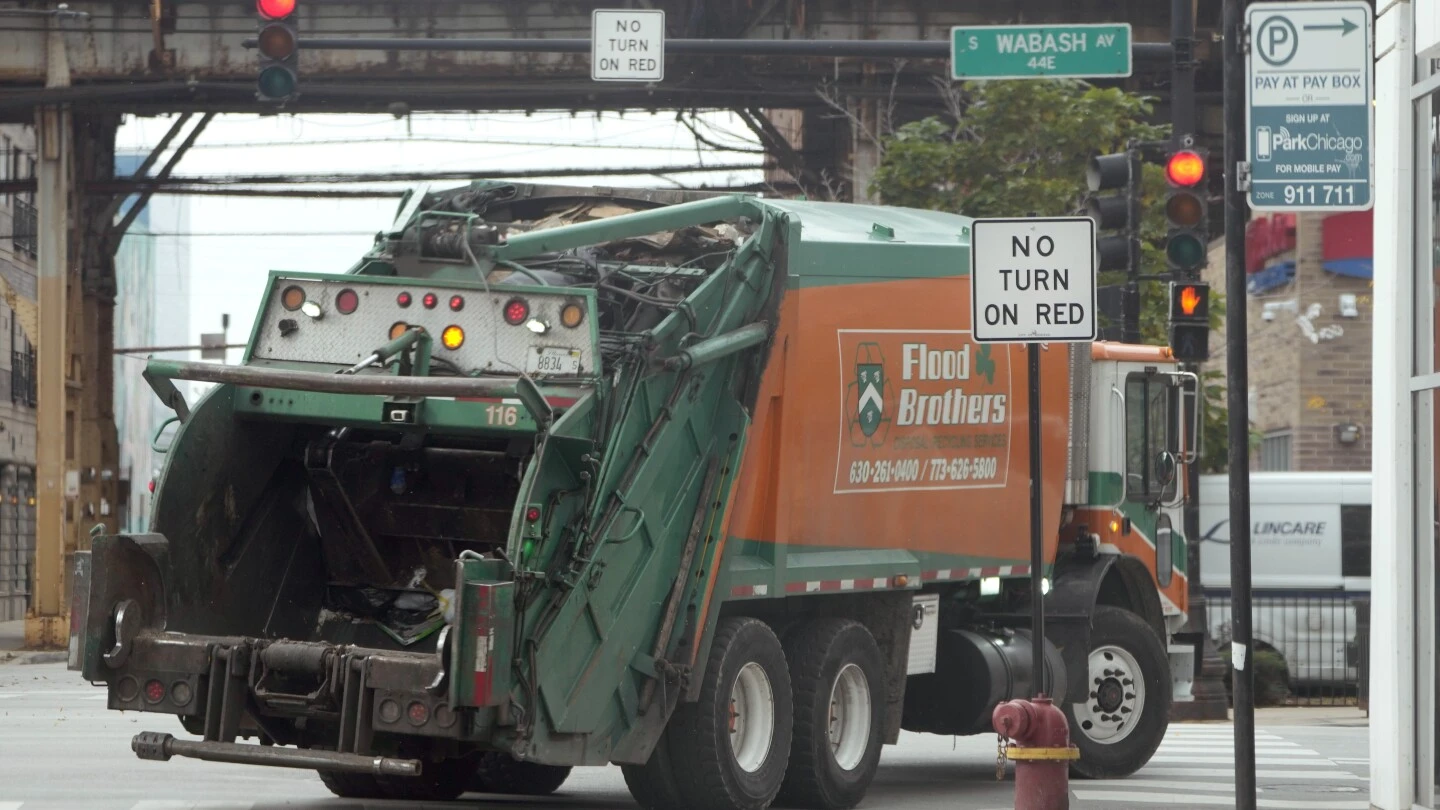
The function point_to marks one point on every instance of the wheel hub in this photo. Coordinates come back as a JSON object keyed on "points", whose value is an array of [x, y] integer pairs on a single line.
{"points": [[1116, 698], [751, 717], [849, 721]]}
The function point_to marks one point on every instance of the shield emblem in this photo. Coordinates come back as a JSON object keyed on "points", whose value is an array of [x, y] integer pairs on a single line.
{"points": [[870, 381]]}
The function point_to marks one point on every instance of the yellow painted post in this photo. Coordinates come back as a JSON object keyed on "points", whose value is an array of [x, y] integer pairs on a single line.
{"points": [[47, 624]]}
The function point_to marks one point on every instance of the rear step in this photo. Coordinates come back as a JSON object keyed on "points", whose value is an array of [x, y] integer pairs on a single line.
{"points": [[159, 746]]}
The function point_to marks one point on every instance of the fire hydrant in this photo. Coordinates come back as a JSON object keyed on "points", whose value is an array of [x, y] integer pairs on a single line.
{"points": [[1041, 750]]}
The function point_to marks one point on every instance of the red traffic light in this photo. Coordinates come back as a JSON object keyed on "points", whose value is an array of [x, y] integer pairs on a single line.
{"points": [[1185, 168], [275, 9]]}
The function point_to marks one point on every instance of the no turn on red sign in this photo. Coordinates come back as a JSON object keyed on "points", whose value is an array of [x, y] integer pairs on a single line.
{"points": [[627, 45], [1032, 280]]}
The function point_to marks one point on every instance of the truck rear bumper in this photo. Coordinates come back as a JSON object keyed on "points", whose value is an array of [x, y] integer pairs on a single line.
{"points": [[227, 688]]}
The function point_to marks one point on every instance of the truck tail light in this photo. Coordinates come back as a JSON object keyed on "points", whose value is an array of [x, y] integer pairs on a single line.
{"points": [[154, 691], [403, 299], [430, 300], [347, 301], [419, 713], [457, 303], [516, 311]]}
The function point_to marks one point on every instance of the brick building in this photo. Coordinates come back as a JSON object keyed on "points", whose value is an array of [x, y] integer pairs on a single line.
{"points": [[18, 322], [1310, 319]]}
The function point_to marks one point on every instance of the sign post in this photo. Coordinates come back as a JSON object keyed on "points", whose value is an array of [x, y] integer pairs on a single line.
{"points": [[1040, 51], [627, 45], [1032, 281], [1309, 119]]}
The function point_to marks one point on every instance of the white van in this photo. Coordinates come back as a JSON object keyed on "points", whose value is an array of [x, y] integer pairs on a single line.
{"points": [[1309, 560]]}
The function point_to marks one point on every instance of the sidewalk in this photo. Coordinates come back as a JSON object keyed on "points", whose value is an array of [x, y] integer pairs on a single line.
{"points": [[12, 647]]}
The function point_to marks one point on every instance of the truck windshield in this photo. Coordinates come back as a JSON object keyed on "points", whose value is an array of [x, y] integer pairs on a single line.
{"points": [[1150, 465]]}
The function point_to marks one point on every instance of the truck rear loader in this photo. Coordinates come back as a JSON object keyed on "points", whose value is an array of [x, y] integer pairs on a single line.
{"points": [[713, 487]]}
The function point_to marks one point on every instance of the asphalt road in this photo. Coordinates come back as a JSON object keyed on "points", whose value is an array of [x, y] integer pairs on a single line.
{"points": [[60, 748]]}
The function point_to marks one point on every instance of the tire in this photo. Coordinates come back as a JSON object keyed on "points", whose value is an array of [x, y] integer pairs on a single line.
{"points": [[1120, 642], [502, 773], [835, 665], [746, 669], [653, 785], [438, 781], [349, 785]]}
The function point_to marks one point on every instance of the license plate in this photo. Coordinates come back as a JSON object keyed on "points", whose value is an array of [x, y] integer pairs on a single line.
{"points": [[553, 361]]}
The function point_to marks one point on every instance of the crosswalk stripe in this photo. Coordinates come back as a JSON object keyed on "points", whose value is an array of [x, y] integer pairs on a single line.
{"points": [[1229, 773], [1196, 749], [1162, 799], [1230, 757], [1215, 787], [189, 804]]}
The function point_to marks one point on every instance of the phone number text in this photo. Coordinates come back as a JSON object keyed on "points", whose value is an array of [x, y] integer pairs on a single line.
{"points": [[914, 470]]}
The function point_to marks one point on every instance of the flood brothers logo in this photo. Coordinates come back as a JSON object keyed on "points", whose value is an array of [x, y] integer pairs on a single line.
{"points": [[871, 391]]}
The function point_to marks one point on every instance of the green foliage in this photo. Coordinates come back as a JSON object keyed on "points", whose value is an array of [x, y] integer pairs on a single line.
{"points": [[1020, 148]]}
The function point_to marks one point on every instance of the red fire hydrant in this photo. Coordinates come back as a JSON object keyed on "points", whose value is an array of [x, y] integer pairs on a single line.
{"points": [[1041, 750]]}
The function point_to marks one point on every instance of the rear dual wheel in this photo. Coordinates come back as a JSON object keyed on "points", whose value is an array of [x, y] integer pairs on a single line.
{"points": [[729, 749], [800, 722], [839, 680]]}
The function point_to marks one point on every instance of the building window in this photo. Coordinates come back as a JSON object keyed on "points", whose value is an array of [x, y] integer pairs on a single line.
{"points": [[1355, 541], [1275, 452], [25, 224]]}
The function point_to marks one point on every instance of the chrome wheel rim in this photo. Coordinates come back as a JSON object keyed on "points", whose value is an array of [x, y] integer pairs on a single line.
{"points": [[1116, 696]]}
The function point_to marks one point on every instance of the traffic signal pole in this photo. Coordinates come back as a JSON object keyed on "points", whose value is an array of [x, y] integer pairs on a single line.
{"points": [[1208, 689], [1237, 387]]}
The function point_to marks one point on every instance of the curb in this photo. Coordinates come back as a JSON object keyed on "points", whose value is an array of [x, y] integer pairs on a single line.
{"points": [[33, 656]]}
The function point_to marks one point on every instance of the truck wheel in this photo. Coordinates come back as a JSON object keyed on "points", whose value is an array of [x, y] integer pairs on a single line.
{"points": [[653, 785], [349, 785], [502, 773], [438, 781], [839, 681], [732, 745], [1121, 724]]}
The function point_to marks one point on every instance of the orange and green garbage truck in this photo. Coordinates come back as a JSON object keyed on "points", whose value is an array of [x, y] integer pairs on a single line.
{"points": [[713, 487]]}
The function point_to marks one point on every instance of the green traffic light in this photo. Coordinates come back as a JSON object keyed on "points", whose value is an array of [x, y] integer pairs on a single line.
{"points": [[1185, 251], [277, 81]]}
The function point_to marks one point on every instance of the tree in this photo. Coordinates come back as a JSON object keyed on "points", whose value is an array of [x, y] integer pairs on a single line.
{"points": [[1020, 148]]}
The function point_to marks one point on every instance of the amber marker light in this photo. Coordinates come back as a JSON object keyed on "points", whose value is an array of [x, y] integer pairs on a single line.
{"points": [[452, 338], [572, 315], [292, 298]]}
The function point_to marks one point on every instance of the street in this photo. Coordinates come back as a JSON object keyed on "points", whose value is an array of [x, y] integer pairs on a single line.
{"points": [[60, 748]]}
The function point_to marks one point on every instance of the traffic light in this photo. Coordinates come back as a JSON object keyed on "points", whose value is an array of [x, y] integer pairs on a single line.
{"points": [[279, 46], [1190, 321], [1118, 212], [1186, 214]]}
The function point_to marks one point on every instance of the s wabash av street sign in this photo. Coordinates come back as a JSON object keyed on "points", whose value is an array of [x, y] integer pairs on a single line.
{"points": [[1309, 119], [627, 45], [1032, 280], [1040, 51]]}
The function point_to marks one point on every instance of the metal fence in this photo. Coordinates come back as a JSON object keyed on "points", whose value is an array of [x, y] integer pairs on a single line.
{"points": [[1310, 648]]}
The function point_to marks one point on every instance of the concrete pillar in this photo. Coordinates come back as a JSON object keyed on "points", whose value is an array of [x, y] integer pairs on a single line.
{"points": [[1392, 616]]}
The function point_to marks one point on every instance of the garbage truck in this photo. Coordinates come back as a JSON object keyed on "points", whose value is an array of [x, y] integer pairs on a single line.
{"points": [[710, 486]]}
